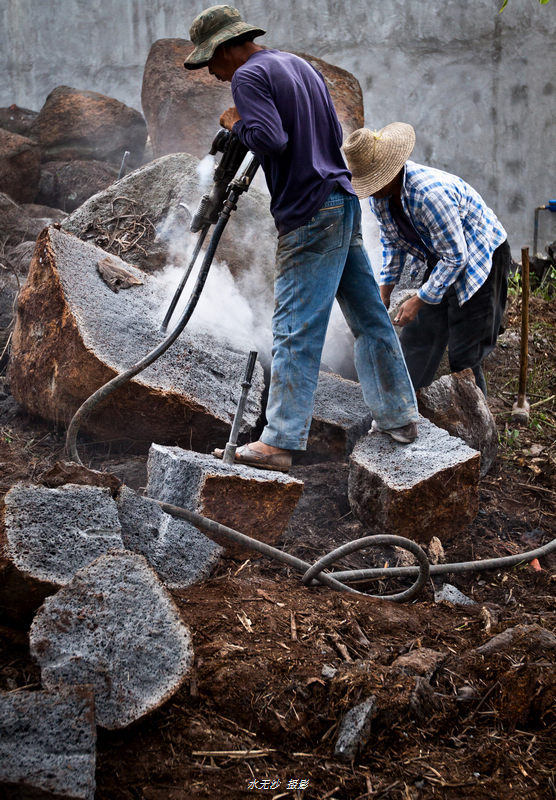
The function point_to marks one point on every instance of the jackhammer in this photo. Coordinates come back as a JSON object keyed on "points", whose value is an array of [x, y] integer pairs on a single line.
{"points": [[215, 209]]}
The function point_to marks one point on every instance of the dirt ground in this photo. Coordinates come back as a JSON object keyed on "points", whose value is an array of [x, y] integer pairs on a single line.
{"points": [[278, 665]]}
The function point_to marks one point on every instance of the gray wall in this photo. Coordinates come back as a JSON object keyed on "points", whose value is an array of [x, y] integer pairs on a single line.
{"points": [[477, 85]]}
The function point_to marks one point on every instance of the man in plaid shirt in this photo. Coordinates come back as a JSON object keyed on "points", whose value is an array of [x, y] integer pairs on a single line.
{"points": [[429, 217]]}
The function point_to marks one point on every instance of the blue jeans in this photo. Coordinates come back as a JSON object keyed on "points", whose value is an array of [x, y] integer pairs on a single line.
{"points": [[321, 260]]}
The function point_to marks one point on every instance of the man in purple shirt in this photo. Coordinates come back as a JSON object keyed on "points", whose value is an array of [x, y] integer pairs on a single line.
{"points": [[284, 114]]}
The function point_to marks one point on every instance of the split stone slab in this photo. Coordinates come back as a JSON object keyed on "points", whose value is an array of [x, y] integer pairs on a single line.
{"points": [[48, 744], [73, 334], [455, 402], [252, 501], [115, 627], [49, 534], [419, 490], [180, 554], [340, 418]]}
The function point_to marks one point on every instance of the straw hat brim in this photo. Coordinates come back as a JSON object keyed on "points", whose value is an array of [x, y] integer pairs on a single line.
{"points": [[200, 56], [375, 157]]}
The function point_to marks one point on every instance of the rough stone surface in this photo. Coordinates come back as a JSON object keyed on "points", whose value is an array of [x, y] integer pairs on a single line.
{"points": [[355, 730], [520, 638], [415, 490], [340, 418], [48, 534], [182, 107], [16, 119], [67, 184], [252, 501], [422, 661], [19, 166], [20, 223], [452, 595], [116, 628], [63, 472], [455, 403], [48, 744], [75, 124], [174, 548], [154, 195], [73, 334]]}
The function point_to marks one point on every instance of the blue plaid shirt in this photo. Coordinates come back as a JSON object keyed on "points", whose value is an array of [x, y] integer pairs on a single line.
{"points": [[455, 225]]}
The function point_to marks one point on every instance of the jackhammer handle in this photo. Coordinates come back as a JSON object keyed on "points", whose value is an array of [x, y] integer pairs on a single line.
{"points": [[249, 368]]}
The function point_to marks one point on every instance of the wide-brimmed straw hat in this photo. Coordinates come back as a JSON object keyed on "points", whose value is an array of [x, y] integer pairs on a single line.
{"points": [[375, 157], [212, 27]]}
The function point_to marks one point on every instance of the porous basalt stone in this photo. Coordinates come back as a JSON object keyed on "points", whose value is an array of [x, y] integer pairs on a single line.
{"points": [[49, 534], [48, 744], [179, 553], [455, 402], [73, 334], [115, 627], [252, 501], [416, 490], [340, 418]]}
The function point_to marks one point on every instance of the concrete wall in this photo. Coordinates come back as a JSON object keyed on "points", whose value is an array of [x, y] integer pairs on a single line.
{"points": [[477, 85]]}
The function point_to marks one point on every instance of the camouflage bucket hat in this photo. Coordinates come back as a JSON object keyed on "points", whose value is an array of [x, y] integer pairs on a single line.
{"points": [[212, 27]]}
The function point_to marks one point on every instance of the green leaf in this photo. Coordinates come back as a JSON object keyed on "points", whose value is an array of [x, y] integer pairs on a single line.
{"points": [[504, 4]]}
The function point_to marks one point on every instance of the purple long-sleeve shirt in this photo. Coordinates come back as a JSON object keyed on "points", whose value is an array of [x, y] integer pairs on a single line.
{"points": [[289, 122]]}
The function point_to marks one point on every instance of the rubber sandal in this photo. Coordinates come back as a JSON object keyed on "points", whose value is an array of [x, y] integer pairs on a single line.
{"points": [[279, 462]]}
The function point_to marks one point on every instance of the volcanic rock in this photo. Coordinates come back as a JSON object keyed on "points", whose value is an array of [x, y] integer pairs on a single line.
{"points": [[252, 501], [20, 223], [63, 472], [355, 729], [17, 120], [416, 490], [182, 107], [179, 553], [145, 218], [67, 184], [19, 166], [48, 534], [48, 744], [73, 334], [116, 628], [75, 124], [340, 418], [454, 402]]}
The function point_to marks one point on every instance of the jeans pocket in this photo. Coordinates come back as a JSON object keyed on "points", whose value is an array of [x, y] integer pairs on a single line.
{"points": [[325, 231]]}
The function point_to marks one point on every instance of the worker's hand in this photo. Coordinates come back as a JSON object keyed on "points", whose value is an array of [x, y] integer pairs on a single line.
{"points": [[408, 311], [385, 293], [229, 118]]}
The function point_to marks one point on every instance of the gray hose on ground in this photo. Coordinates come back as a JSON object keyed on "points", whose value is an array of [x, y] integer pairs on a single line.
{"points": [[85, 410], [441, 569], [313, 573]]}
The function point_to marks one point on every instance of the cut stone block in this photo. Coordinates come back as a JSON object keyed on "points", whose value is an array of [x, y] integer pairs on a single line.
{"points": [[48, 744], [115, 627], [418, 490], [455, 402], [340, 418], [49, 534], [73, 334], [179, 553], [255, 502]]}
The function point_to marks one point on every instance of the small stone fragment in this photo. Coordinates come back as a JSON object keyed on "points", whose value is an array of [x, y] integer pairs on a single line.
{"points": [[451, 594], [355, 730]]}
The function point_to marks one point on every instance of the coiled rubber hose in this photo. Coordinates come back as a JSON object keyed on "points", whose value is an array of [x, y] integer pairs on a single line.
{"points": [[339, 580]]}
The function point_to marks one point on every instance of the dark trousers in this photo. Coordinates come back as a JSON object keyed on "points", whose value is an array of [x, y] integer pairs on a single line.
{"points": [[470, 331]]}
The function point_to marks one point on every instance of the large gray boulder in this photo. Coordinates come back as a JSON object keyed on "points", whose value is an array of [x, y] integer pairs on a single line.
{"points": [[74, 333], [116, 628], [48, 744]]}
